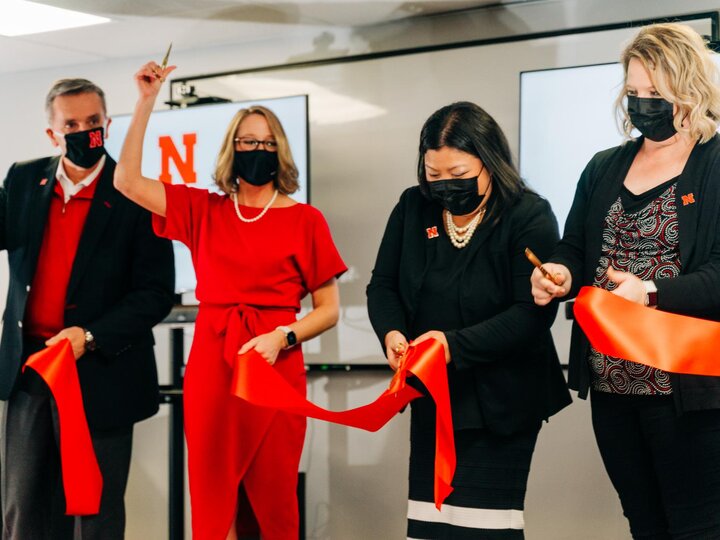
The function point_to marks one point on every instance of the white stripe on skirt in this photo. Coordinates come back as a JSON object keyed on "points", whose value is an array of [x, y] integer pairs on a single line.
{"points": [[475, 518]]}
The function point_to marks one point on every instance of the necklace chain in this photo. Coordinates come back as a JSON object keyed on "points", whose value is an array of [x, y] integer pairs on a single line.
{"points": [[261, 214], [460, 236]]}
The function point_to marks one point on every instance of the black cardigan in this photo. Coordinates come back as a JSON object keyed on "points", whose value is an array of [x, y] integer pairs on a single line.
{"points": [[505, 344], [695, 292]]}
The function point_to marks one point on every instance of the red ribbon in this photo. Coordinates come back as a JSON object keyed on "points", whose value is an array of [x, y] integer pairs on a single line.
{"points": [[255, 381], [667, 341], [81, 476]]}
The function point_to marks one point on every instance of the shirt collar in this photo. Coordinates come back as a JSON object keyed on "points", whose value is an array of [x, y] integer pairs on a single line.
{"points": [[69, 188]]}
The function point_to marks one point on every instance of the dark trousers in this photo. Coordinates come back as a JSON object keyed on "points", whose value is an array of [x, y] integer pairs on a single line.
{"points": [[665, 467], [33, 502]]}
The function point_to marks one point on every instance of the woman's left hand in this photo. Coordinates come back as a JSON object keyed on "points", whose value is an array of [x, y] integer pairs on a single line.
{"points": [[267, 345], [434, 334], [629, 286]]}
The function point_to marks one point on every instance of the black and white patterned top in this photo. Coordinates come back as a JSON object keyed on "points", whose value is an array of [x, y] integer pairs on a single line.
{"points": [[640, 236]]}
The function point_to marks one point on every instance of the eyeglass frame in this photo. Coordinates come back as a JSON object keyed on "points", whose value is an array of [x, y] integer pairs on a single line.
{"points": [[270, 146]]}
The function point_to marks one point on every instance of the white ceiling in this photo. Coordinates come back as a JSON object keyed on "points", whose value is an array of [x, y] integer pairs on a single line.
{"points": [[143, 27]]}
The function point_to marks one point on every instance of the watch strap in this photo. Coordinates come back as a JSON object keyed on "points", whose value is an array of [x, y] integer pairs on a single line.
{"points": [[650, 293], [290, 337]]}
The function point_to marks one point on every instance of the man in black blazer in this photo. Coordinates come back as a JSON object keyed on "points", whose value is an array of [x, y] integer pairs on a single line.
{"points": [[86, 266]]}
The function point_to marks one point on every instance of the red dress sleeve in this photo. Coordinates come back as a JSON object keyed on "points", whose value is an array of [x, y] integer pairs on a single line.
{"points": [[320, 260], [185, 212]]}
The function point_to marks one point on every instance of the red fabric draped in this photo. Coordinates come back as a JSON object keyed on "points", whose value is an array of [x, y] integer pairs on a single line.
{"points": [[255, 381], [667, 341], [81, 476]]}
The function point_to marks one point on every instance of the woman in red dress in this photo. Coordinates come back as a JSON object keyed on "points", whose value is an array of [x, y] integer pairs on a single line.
{"points": [[256, 254]]}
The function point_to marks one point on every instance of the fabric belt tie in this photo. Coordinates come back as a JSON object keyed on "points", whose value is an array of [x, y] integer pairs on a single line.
{"points": [[237, 324], [82, 480]]}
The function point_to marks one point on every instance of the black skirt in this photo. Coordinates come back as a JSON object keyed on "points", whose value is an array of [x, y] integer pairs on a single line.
{"points": [[489, 483]]}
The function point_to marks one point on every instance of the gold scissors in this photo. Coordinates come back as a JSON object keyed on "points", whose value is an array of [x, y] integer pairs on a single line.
{"points": [[399, 350], [165, 60], [536, 262]]}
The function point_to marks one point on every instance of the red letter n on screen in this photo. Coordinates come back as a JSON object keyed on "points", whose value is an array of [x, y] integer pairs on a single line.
{"points": [[186, 167]]}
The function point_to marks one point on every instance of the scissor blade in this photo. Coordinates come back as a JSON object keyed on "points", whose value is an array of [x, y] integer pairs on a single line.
{"points": [[167, 56]]}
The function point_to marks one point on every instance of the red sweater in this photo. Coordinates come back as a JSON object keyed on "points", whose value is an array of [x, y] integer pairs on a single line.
{"points": [[45, 313]]}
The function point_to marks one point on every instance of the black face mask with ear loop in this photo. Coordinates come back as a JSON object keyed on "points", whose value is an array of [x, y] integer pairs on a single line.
{"points": [[459, 196], [653, 117], [85, 148], [256, 167]]}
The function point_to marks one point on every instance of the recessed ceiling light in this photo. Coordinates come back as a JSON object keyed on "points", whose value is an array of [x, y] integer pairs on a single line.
{"points": [[21, 18]]}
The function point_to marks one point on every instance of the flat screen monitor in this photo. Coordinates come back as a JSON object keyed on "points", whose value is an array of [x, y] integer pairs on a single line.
{"points": [[181, 146], [566, 116]]}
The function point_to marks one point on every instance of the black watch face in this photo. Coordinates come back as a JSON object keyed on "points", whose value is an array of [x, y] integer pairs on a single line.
{"points": [[291, 339]]}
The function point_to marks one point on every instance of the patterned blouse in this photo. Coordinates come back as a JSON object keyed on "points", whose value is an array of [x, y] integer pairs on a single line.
{"points": [[640, 236]]}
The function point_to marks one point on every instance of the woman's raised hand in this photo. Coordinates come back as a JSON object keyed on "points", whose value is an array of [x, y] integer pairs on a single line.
{"points": [[150, 78]]}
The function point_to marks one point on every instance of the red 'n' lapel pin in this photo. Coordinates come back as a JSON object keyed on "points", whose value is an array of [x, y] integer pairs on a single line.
{"points": [[43, 181], [688, 199], [432, 232], [106, 203]]}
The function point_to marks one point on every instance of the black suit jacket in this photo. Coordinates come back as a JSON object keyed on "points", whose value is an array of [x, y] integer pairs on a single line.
{"points": [[695, 292], [505, 344], [121, 285]]}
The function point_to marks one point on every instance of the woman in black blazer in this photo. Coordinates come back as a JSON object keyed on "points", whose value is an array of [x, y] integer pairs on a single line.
{"points": [[451, 267], [645, 225]]}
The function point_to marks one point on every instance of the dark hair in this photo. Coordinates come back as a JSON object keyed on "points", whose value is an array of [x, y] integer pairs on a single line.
{"points": [[468, 128]]}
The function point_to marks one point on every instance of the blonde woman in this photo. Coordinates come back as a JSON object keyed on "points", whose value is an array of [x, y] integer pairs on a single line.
{"points": [[256, 253], [645, 225]]}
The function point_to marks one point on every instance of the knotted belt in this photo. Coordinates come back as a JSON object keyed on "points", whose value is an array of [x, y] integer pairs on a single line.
{"points": [[237, 324]]}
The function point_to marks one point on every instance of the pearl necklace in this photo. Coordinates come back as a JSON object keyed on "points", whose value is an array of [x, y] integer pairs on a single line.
{"points": [[261, 214], [460, 236]]}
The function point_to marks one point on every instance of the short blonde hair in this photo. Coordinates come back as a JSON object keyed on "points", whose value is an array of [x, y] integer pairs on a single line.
{"points": [[683, 71], [287, 178]]}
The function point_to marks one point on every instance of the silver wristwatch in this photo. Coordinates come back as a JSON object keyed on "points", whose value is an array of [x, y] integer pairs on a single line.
{"points": [[90, 344]]}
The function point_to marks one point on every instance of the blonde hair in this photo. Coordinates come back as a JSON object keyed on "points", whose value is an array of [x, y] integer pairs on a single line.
{"points": [[287, 177], [683, 72]]}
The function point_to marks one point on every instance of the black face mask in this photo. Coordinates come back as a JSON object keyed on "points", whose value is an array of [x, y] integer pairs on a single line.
{"points": [[85, 148], [257, 167], [653, 117], [459, 196]]}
